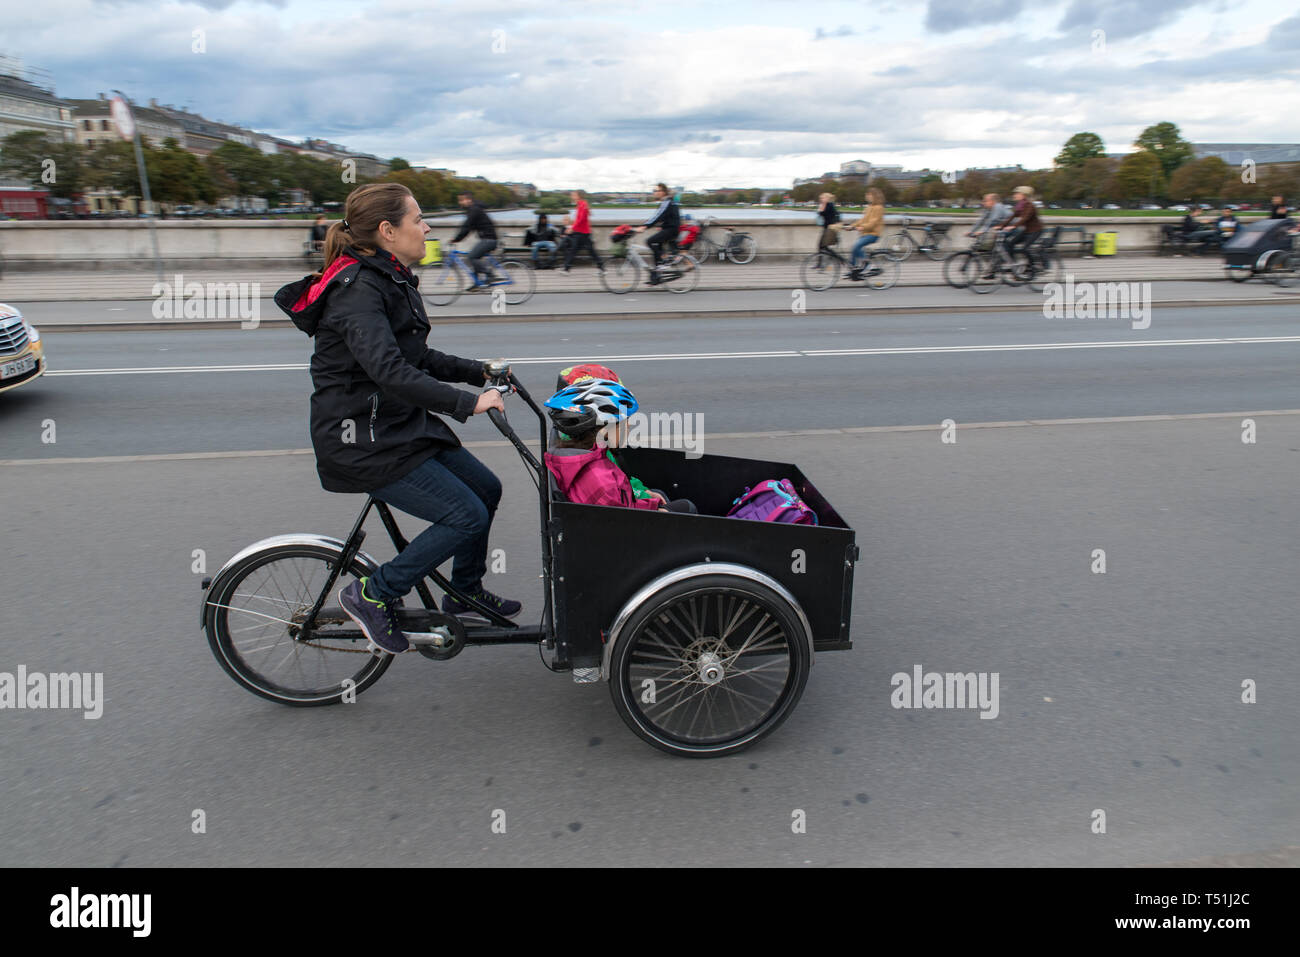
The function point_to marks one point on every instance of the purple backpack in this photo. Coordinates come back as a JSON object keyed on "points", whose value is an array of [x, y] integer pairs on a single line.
{"points": [[773, 501]]}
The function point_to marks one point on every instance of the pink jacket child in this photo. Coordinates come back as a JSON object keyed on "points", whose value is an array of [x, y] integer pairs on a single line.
{"points": [[588, 477]]}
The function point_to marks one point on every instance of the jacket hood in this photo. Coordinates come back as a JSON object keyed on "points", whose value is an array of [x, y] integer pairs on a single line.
{"points": [[304, 301], [567, 464]]}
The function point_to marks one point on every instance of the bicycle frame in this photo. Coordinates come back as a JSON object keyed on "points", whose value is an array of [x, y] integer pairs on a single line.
{"points": [[460, 262], [498, 629]]}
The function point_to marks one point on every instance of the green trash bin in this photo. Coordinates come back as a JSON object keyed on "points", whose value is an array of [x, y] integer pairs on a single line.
{"points": [[1103, 244]]}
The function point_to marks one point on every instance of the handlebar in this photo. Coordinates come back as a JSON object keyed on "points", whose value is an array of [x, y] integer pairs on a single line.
{"points": [[504, 381]]}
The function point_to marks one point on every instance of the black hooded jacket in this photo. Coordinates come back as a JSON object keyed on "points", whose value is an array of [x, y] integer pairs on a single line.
{"points": [[374, 376]]}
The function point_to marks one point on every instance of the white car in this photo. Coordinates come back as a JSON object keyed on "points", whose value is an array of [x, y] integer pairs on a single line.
{"points": [[1180, 208], [1111, 206], [22, 356]]}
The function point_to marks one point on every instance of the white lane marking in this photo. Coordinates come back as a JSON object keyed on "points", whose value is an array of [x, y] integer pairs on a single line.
{"points": [[773, 354], [787, 433]]}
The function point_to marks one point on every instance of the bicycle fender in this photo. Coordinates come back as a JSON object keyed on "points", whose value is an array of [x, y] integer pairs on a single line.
{"points": [[293, 538]]}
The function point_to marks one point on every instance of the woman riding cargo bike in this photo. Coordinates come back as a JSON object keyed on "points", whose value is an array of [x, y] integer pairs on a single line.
{"points": [[374, 379]]}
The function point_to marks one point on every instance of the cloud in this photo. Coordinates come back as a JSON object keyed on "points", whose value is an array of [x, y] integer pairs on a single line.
{"points": [[1122, 19], [947, 16], [587, 87], [843, 30]]}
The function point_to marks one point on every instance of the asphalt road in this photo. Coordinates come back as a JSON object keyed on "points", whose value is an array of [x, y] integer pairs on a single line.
{"points": [[1119, 691], [741, 375]]}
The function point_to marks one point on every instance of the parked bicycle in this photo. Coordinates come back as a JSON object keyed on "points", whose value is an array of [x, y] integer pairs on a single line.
{"points": [[984, 269], [443, 277], [933, 240], [738, 247], [822, 269], [677, 272]]}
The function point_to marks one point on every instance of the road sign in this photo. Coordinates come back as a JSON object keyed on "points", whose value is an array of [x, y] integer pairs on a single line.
{"points": [[122, 117]]}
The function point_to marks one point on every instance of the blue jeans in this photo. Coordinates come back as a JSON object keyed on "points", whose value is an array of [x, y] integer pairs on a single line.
{"points": [[860, 245], [541, 245], [459, 495]]}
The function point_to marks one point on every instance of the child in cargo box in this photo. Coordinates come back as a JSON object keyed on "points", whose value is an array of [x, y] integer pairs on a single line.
{"points": [[587, 372], [590, 417]]}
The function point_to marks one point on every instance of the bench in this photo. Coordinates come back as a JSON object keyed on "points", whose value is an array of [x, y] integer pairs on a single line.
{"points": [[512, 247], [1081, 241], [1174, 241]]}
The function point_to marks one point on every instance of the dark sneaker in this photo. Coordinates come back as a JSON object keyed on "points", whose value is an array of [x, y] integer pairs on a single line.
{"points": [[855, 273], [378, 620], [502, 606]]}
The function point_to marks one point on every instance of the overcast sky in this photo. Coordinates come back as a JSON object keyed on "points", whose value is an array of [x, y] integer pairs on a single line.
{"points": [[616, 94]]}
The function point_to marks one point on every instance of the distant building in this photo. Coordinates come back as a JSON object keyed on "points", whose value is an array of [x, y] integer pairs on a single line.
{"points": [[95, 124], [522, 190], [1234, 154], [27, 102]]}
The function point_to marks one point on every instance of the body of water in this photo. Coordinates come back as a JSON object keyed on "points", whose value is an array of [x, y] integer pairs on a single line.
{"points": [[612, 217]]}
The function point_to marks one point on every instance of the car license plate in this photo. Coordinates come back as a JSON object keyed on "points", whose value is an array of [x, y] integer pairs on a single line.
{"points": [[11, 369]]}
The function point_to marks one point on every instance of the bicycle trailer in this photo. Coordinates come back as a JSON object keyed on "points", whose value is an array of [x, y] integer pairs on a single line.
{"points": [[1245, 254]]}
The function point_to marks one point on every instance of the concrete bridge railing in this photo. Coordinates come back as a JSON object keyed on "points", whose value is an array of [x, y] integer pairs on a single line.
{"points": [[125, 244]]}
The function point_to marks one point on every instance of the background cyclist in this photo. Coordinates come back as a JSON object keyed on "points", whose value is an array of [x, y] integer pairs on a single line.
{"points": [[478, 222], [669, 220]]}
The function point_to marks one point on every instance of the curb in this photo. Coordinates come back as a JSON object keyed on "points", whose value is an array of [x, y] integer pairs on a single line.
{"points": [[858, 310]]}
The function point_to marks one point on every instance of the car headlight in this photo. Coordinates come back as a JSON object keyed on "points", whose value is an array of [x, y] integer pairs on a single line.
{"points": [[32, 333]]}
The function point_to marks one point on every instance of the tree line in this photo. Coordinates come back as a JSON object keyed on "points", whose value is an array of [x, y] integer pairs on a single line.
{"points": [[1162, 169], [233, 169]]}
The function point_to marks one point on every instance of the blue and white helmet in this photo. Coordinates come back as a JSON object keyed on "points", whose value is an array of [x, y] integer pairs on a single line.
{"points": [[590, 404]]}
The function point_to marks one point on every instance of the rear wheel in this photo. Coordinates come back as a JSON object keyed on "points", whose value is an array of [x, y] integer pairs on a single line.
{"points": [[709, 665], [742, 249], [703, 249], [981, 274], [936, 246], [522, 281], [887, 275], [1050, 270], [619, 276], [680, 272], [252, 618], [1239, 275], [900, 246], [440, 283], [1276, 265], [955, 267], [819, 271]]}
